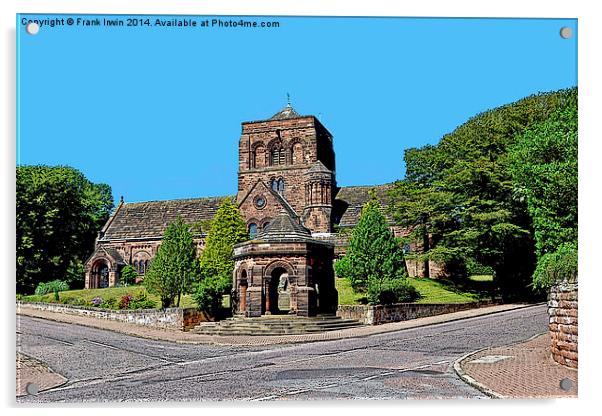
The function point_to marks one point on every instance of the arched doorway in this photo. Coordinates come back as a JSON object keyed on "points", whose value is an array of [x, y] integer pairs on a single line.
{"points": [[103, 276], [100, 274], [279, 291]]}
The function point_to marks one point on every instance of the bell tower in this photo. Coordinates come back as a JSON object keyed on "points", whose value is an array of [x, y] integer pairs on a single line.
{"points": [[289, 160]]}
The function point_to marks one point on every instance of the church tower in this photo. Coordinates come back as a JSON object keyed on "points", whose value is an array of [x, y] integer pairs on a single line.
{"points": [[286, 162]]}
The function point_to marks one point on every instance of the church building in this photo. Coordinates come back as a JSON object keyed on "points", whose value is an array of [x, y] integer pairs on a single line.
{"points": [[286, 178]]}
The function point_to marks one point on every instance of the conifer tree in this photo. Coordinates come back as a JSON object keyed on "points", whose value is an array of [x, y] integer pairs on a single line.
{"points": [[216, 264], [175, 266], [374, 260]]}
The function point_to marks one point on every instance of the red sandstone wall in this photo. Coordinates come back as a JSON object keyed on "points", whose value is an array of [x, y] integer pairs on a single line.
{"points": [[562, 309]]}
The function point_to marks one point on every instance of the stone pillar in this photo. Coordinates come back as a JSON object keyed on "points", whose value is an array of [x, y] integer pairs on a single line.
{"points": [[562, 309], [112, 278], [267, 297], [242, 306], [306, 301], [253, 306]]}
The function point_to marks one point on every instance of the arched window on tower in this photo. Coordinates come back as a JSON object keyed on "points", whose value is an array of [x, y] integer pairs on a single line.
{"points": [[274, 185], [277, 155], [280, 186], [252, 230], [258, 157], [297, 154]]}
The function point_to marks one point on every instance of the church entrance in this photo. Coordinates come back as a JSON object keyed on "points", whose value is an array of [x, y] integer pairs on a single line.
{"points": [[279, 292], [103, 276]]}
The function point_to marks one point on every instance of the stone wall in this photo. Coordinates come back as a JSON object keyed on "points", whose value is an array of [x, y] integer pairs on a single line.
{"points": [[180, 319], [381, 314], [562, 309]]}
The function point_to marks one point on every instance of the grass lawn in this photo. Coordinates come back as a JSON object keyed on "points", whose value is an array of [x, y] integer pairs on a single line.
{"points": [[111, 292], [431, 291], [346, 294]]}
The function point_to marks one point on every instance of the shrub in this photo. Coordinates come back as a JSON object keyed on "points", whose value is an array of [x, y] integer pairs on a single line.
{"points": [[555, 267], [141, 301], [124, 303], [52, 286], [391, 291], [208, 295], [109, 303], [19, 296], [342, 267], [128, 275]]}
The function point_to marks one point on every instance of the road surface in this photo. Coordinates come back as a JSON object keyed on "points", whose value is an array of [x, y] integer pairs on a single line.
{"points": [[415, 363]]}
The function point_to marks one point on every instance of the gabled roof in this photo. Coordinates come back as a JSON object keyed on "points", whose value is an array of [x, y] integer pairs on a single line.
{"points": [[110, 252], [150, 219], [354, 198], [285, 204]]}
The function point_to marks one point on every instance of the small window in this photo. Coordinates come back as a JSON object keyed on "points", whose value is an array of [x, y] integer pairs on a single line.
{"points": [[280, 185], [252, 230], [136, 266], [274, 185]]}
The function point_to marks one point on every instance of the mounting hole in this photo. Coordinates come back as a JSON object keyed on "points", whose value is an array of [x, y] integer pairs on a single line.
{"points": [[32, 28], [566, 32], [32, 388], [566, 384]]}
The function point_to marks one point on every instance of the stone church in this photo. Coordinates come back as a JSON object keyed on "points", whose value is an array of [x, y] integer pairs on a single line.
{"points": [[295, 212]]}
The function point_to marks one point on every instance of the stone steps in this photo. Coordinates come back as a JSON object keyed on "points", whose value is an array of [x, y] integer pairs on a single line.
{"points": [[275, 325]]}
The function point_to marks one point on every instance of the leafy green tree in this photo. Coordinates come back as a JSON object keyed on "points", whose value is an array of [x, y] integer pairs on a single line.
{"points": [[175, 266], [128, 275], [216, 264], [559, 265], [544, 170], [461, 194], [545, 174], [59, 213], [374, 262]]}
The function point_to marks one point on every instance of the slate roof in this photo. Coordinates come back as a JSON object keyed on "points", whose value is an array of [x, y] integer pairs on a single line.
{"points": [[114, 254], [140, 220], [284, 227], [150, 219], [354, 197], [318, 167], [286, 113]]}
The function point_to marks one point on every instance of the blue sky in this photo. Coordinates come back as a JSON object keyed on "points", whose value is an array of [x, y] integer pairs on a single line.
{"points": [[156, 112]]}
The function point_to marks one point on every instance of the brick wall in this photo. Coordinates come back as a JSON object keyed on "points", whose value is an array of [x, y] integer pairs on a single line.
{"points": [[180, 319], [562, 309], [381, 314]]}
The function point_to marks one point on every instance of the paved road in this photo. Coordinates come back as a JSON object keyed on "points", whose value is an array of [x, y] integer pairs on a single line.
{"points": [[415, 363]]}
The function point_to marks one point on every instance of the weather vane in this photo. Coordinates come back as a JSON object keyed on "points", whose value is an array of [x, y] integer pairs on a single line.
{"points": [[288, 99]]}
